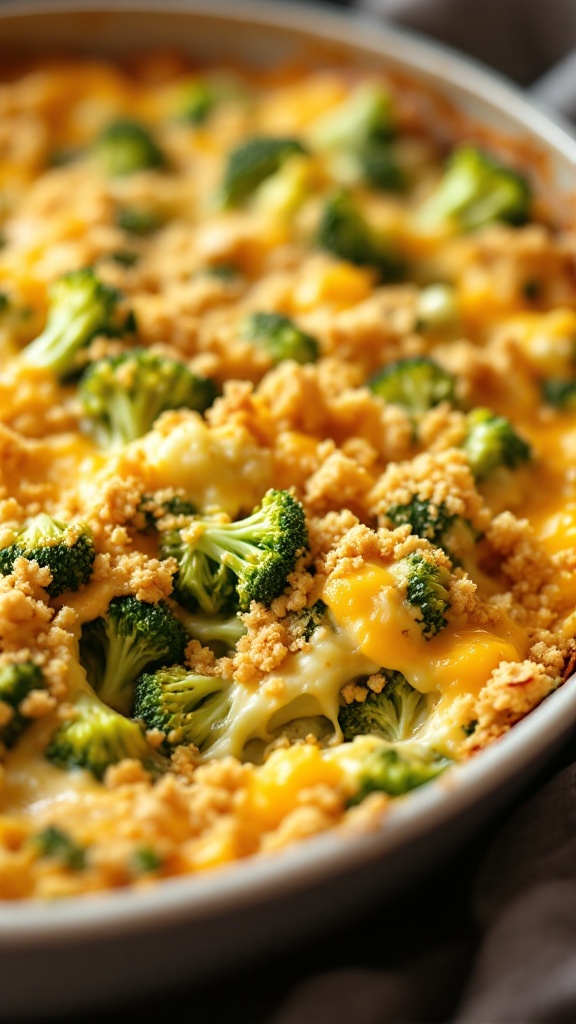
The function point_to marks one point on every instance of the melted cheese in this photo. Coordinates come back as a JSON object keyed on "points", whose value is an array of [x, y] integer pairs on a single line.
{"points": [[31, 783], [370, 607], [307, 684], [92, 600], [219, 467], [274, 787]]}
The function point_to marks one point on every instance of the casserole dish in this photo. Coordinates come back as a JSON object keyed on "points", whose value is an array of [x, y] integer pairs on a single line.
{"points": [[234, 912]]}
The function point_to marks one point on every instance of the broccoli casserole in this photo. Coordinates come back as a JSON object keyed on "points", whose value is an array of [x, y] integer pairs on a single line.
{"points": [[287, 434]]}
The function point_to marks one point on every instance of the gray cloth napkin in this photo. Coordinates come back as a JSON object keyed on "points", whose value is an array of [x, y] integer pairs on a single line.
{"points": [[509, 959]]}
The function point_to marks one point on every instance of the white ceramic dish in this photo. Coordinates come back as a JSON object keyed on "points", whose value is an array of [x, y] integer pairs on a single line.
{"points": [[90, 953]]}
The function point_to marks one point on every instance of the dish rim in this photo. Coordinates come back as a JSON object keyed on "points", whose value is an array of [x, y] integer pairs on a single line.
{"points": [[29, 923]]}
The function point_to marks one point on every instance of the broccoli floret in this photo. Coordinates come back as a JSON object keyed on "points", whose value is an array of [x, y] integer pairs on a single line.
{"points": [[395, 713], [429, 521], [416, 383], [282, 194], [156, 508], [16, 682], [344, 232], [199, 100], [200, 581], [187, 708], [379, 167], [358, 132], [66, 549], [218, 632], [366, 115], [560, 393], [233, 563], [132, 636], [122, 396], [146, 860], [126, 146], [280, 338], [455, 535], [476, 189], [79, 307], [137, 220], [55, 842], [308, 620], [124, 257], [491, 443], [427, 590], [252, 162], [98, 737], [388, 770]]}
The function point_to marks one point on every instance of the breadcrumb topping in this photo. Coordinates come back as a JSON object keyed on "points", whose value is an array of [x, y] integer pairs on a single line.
{"points": [[382, 482]]}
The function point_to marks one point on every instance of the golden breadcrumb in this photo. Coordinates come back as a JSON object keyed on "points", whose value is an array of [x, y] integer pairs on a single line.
{"points": [[263, 755]]}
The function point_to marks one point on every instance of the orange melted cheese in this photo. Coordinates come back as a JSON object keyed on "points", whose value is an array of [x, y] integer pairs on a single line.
{"points": [[275, 435], [370, 607]]}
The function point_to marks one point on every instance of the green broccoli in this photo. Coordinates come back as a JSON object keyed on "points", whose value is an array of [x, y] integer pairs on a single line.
{"points": [[344, 232], [16, 682], [358, 133], [137, 220], [122, 396], [455, 535], [395, 713], [132, 636], [220, 633], [476, 189], [378, 166], [561, 394], [187, 708], [308, 620], [157, 508], [200, 581], [427, 587], [54, 842], [492, 443], [252, 162], [392, 771], [146, 860], [125, 147], [396, 716], [97, 737], [199, 100], [66, 549], [280, 338], [417, 383], [364, 116], [228, 564], [124, 257], [80, 306]]}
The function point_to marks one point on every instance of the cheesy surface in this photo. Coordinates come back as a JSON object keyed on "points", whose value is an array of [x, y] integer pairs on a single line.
{"points": [[338, 232]]}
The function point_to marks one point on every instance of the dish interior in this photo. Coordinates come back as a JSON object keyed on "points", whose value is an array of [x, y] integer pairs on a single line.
{"points": [[189, 260]]}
